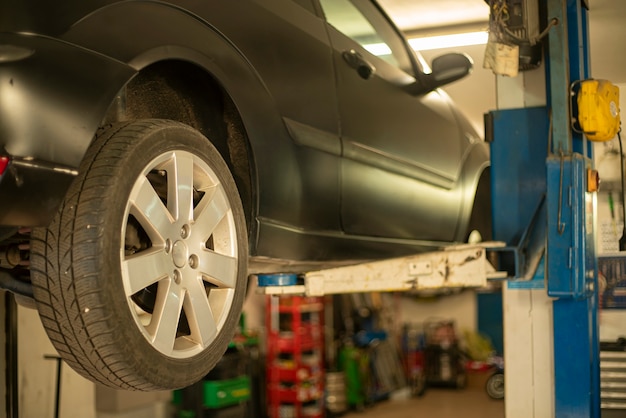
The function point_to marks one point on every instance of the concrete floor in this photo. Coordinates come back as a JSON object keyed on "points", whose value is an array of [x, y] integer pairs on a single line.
{"points": [[471, 402]]}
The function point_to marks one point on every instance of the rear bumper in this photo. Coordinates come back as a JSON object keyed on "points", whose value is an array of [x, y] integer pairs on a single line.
{"points": [[31, 192]]}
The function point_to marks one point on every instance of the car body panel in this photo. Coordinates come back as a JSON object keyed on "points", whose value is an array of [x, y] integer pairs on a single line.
{"points": [[51, 115], [47, 120], [331, 183]]}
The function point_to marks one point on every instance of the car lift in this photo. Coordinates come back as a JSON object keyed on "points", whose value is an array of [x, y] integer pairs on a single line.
{"points": [[543, 188], [455, 266]]}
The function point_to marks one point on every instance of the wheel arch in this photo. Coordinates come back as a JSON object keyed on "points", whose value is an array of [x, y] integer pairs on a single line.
{"points": [[185, 92], [189, 71], [146, 66]]}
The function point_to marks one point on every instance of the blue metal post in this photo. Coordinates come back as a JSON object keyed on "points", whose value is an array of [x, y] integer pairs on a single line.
{"points": [[571, 260], [572, 274]]}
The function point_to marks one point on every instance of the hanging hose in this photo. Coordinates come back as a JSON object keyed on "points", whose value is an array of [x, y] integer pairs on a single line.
{"points": [[13, 285], [622, 240]]}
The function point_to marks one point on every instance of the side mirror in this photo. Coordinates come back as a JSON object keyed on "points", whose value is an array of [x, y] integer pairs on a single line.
{"points": [[450, 67], [445, 69]]}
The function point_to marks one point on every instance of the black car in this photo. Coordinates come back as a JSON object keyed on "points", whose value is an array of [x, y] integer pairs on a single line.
{"points": [[154, 154]]}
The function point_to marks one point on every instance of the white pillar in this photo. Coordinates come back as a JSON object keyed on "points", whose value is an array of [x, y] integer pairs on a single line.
{"points": [[528, 333]]}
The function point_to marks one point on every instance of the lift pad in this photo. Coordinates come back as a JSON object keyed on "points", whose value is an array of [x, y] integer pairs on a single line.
{"points": [[452, 267]]}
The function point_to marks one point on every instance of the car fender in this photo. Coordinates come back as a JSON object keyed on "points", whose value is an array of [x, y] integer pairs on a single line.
{"points": [[133, 39]]}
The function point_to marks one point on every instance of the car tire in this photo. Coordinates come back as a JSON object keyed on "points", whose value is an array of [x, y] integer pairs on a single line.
{"points": [[495, 386], [140, 279]]}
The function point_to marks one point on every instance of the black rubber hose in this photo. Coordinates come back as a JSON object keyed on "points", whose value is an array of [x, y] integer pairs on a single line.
{"points": [[622, 240], [14, 285]]}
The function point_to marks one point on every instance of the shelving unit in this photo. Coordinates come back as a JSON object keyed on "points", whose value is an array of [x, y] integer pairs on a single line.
{"points": [[226, 391], [613, 380], [295, 348], [612, 301]]}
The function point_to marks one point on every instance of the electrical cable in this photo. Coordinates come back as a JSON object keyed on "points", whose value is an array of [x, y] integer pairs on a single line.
{"points": [[500, 17], [622, 240]]}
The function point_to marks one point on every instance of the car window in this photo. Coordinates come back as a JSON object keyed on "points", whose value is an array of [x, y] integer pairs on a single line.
{"points": [[365, 24]]}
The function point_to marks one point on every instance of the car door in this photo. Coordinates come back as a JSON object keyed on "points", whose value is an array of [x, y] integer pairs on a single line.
{"points": [[401, 151]]}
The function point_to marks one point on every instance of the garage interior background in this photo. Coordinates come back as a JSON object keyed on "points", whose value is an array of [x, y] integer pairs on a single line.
{"points": [[475, 95]]}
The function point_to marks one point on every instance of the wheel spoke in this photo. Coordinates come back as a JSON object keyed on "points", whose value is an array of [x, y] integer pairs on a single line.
{"points": [[199, 314], [148, 209], [164, 323], [218, 269], [210, 211], [180, 187], [143, 269]]}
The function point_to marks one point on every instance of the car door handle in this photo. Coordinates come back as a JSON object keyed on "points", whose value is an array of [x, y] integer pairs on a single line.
{"points": [[360, 64]]}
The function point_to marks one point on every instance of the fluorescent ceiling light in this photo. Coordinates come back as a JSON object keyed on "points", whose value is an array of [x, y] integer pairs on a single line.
{"points": [[449, 41]]}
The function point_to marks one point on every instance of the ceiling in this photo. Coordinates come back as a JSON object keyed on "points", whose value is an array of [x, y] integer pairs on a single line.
{"points": [[606, 25], [412, 15]]}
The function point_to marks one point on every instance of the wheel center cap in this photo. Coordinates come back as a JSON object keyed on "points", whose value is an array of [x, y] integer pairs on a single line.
{"points": [[180, 254]]}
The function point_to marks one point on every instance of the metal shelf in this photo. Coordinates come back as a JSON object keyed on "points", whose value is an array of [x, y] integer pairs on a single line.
{"points": [[613, 380]]}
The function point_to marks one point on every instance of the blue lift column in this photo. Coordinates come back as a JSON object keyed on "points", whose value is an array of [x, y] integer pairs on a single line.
{"points": [[571, 263], [539, 175]]}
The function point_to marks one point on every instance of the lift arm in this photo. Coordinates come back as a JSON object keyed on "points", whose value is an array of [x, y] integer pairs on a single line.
{"points": [[452, 267]]}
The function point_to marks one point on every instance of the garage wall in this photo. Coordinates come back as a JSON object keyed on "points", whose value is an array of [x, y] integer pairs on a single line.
{"points": [[610, 230], [606, 30], [459, 307], [37, 376]]}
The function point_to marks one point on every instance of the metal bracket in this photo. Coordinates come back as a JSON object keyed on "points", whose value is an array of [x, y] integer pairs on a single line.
{"points": [[521, 261]]}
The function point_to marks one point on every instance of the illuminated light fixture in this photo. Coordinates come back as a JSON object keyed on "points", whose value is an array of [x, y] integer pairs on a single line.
{"points": [[449, 41]]}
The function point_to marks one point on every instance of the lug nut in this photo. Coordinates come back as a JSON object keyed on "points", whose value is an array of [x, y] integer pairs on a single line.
{"points": [[193, 261]]}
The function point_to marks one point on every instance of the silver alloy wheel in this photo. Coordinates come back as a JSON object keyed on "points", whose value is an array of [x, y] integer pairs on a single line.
{"points": [[141, 276], [192, 258]]}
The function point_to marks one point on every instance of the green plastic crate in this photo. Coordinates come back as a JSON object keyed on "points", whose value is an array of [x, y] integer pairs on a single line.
{"points": [[221, 393]]}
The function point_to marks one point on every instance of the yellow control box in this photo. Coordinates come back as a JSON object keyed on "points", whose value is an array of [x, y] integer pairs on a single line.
{"points": [[598, 109]]}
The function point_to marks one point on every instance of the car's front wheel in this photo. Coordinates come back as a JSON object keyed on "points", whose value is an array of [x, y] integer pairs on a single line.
{"points": [[140, 279]]}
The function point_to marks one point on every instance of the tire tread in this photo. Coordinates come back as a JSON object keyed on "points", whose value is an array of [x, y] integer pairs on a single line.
{"points": [[64, 258]]}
